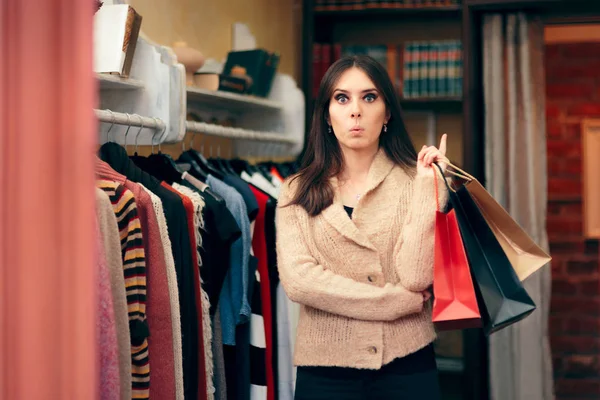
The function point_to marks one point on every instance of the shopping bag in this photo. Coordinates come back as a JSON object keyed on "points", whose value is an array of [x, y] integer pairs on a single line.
{"points": [[502, 298], [455, 301], [524, 254]]}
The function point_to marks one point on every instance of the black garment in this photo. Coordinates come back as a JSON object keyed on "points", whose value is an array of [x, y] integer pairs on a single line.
{"points": [[239, 371], [220, 231], [349, 210], [270, 237], [241, 186], [177, 226], [413, 377]]}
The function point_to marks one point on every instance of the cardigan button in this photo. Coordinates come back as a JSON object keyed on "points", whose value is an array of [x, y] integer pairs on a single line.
{"points": [[373, 350], [372, 278]]}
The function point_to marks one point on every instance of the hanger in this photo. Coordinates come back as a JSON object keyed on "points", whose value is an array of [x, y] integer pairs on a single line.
{"points": [[135, 153], [221, 164], [197, 172], [111, 125], [193, 154], [136, 158], [160, 165], [166, 165], [204, 164], [227, 162], [263, 169], [127, 131], [194, 169]]}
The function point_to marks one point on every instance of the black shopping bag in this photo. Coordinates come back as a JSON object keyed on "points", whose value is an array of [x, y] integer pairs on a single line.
{"points": [[502, 298]]}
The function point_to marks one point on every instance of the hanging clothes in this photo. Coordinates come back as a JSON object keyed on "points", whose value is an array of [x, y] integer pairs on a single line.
{"points": [[158, 314], [235, 306], [187, 268], [219, 378], [109, 232], [234, 302], [192, 242], [219, 232], [264, 356], [198, 225], [134, 268], [109, 378], [177, 226], [173, 293]]}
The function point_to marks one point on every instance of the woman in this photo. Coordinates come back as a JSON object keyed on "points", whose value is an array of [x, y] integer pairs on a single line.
{"points": [[355, 244]]}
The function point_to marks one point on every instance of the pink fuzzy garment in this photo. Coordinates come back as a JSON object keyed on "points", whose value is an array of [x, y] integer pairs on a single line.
{"points": [[109, 380]]}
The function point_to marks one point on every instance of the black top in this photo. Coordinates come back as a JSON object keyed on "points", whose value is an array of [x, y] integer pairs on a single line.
{"points": [[349, 210], [220, 231]]}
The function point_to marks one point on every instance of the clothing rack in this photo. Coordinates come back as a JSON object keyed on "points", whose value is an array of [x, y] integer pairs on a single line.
{"points": [[237, 133], [120, 118]]}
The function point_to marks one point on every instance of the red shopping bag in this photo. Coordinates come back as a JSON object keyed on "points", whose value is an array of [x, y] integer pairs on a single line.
{"points": [[455, 302]]}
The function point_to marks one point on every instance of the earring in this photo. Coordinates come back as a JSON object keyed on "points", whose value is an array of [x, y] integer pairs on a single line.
{"points": [[329, 129], [385, 127]]}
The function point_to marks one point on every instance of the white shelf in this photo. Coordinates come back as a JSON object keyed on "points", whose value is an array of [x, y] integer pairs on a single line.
{"points": [[230, 101], [238, 133], [115, 82]]}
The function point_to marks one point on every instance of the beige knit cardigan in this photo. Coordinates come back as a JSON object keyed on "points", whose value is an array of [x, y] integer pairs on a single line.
{"points": [[358, 280]]}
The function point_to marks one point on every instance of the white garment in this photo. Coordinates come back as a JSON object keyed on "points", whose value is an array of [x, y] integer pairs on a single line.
{"points": [[286, 373], [198, 184], [261, 182], [276, 182], [258, 340]]}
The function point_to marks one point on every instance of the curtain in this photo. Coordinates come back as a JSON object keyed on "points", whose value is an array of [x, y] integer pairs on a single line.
{"points": [[516, 175], [47, 146]]}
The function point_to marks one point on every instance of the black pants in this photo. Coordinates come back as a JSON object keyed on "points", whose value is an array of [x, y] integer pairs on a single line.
{"points": [[414, 377]]}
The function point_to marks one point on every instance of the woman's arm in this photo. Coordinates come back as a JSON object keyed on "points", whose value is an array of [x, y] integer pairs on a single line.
{"points": [[306, 282], [414, 250]]}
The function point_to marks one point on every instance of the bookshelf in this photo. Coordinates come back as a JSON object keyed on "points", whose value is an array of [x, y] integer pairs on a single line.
{"points": [[438, 104], [449, 11], [386, 33]]}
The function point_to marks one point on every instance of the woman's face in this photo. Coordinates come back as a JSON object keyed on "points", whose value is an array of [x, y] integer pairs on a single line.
{"points": [[357, 111]]}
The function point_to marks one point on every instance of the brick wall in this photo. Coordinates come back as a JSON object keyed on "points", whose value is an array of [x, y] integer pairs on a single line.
{"points": [[572, 93]]}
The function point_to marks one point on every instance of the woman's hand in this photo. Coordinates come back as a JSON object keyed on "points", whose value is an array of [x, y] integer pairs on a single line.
{"points": [[429, 155]]}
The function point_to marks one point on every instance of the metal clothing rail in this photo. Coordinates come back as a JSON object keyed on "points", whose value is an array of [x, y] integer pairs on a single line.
{"points": [[119, 118], [237, 133]]}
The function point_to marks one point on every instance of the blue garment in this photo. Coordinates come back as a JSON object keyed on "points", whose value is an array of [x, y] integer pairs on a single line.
{"points": [[233, 300]]}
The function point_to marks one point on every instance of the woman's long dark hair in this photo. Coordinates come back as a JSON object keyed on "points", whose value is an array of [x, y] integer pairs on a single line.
{"points": [[323, 156]]}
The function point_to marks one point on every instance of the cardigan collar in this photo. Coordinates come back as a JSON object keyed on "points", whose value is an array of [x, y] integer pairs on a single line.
{"points": [[380, 169], [337, 216]]}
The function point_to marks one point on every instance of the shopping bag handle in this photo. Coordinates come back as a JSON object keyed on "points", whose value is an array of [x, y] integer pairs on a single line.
{"points": [[445, 182], [435, 187], [461, 173]]}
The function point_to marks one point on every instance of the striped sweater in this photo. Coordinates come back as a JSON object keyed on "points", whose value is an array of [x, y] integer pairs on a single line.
{"points": [[134, 269]]}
